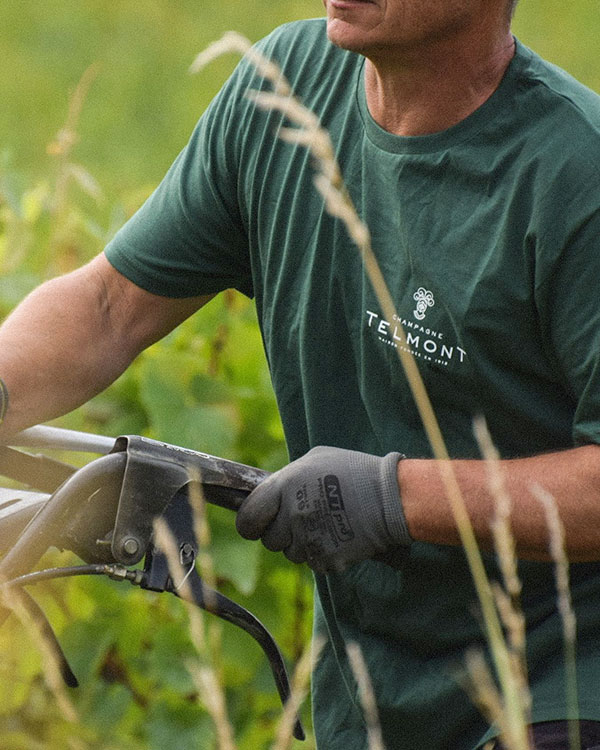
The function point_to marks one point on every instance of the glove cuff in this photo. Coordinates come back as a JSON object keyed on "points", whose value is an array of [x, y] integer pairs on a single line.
{"points": [[376, 483], [391, 497]]}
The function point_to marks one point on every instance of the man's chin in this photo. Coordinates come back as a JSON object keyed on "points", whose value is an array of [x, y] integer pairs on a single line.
{"points": [[345, 35]]}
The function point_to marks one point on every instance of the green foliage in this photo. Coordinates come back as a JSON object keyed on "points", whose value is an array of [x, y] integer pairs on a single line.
{"points": [[205, 386], [77, 160]]}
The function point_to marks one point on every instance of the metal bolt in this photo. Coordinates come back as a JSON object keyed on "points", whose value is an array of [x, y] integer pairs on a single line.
{"points": [[186, 553], [131, 546]]}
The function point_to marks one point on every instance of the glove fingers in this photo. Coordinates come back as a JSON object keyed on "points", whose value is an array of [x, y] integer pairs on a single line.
{"points": [[259, 509], [294, 555], [277, 536]]}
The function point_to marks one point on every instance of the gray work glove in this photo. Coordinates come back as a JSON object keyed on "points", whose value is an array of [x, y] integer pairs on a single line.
{"points": [[331, 508]]}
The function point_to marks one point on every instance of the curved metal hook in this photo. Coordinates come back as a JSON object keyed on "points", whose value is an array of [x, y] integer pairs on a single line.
{"points": [[219, 605]]}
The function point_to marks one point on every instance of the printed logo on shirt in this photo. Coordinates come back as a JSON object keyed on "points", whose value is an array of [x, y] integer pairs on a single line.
{"points": [[423, 342], [424, 300]]}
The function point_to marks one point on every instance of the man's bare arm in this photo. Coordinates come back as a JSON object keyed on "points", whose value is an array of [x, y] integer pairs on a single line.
{"points": [[74, 335], [572, 477]]}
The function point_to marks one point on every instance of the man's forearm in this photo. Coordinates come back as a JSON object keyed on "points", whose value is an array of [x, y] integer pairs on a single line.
{"points": [[334, 507], [71, 337], [55, 351], [572, 477]]}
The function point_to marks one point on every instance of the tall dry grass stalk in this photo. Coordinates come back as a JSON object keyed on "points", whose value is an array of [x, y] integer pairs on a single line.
{"points": [[329, 182], [366, 695], [565, 608], [501, 527], [507, 601], [202, 670], [480, 685], [61, 147], [50, 665], [206, 670], [64, 252], [300, 685], [205, 562], [231, 41]]}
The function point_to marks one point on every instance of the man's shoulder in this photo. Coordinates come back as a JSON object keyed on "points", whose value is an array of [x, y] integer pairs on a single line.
{"points": [[304, 52], [559, 81], [307, 33], [306, 28], [557, 95], [560, 118]]}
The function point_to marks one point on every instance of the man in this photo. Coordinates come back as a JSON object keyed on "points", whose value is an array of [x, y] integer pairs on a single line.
{"points": [[473, 163]]}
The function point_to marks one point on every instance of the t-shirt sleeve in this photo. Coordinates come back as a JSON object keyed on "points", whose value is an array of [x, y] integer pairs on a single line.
{"points": [[188, 238], [571, 303]]}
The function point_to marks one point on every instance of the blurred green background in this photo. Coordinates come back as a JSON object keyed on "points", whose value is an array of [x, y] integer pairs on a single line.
{"points": [[65, 187], [142, 104]]}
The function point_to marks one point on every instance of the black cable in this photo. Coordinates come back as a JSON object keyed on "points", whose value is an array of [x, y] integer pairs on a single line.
{"points": [[49, 573], [116, 572]]}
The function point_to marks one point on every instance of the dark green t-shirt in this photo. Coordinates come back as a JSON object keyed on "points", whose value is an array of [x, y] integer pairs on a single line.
{"points": [[488, 235]]}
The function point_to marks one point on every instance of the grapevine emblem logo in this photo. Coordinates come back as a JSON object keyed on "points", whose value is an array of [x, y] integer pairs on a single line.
{"points": [[424, 300]]}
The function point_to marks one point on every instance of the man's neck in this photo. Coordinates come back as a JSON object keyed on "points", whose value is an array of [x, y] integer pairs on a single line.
{"points": [[428, 93]]}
